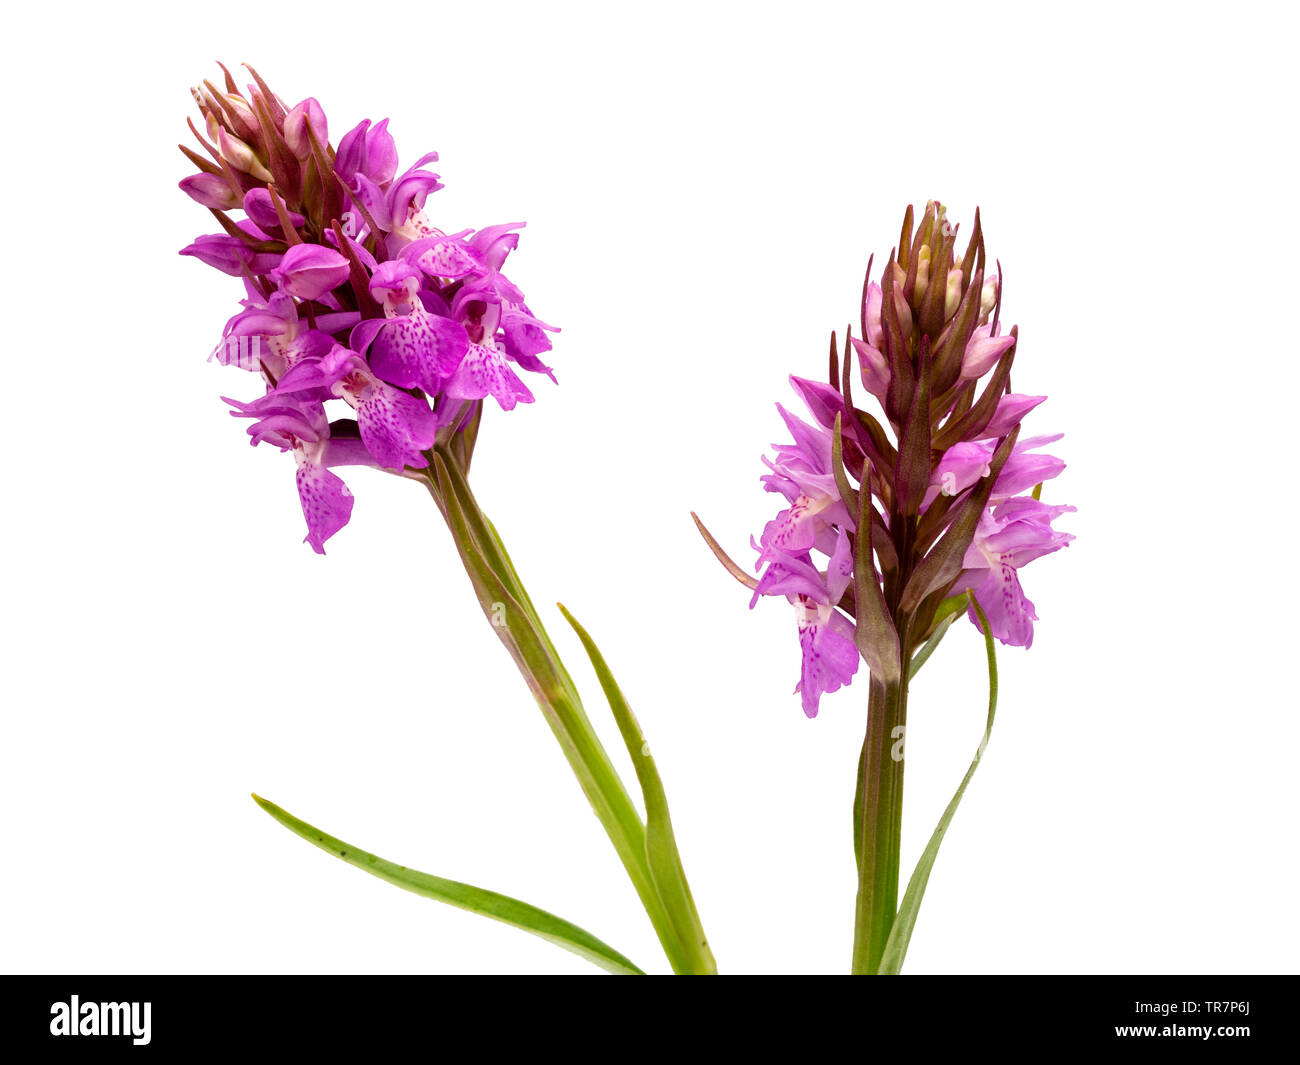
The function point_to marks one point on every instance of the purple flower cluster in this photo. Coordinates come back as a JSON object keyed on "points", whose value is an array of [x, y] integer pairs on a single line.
{"points": [[951, 490], [353, 297]]}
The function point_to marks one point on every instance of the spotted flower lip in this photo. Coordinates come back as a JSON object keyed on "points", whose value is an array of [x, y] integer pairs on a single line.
{"points": [[354, 298], [1010, 535], [826, 640], [941, 468]]}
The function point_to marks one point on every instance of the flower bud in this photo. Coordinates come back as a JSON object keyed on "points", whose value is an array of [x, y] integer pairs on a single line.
{"points": [[989, 296], [952, 298], [982, 352], [240, 155], [308, 271], [875, 368], [369, 151], [307, 113], [922, 274], [245, 122], [904, 312], [875, 334], [231, 255], [211, 190], [1010, 410], [259, 207]]}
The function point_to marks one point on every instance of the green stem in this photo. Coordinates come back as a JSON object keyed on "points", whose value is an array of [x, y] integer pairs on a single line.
{"points": [[519, 627], [879, 821]]}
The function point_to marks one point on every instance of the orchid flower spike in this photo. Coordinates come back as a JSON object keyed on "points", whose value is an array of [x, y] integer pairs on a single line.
{"points": [[938, 471], [355, 301]]}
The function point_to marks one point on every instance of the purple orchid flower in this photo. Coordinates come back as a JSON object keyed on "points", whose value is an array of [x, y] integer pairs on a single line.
{"points": [[353, 296], [300, 426], [410, 346], [1010, 535], [396, 427], [957, 476], [965, 463], [485, 369], [829, 654], [395, 204], [802, 473]]}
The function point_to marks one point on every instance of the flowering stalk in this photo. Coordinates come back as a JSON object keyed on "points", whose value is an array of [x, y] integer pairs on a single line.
{"points": [[661, 885], [357, 304], [923, 512]]}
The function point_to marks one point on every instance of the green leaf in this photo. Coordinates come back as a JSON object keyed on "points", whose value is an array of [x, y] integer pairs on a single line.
{"points": [[660, 843], [504, 600], [900, 935], [465, 896], [947, 613]]}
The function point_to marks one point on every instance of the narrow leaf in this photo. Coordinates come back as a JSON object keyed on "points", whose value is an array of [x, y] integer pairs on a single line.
{"points": [[947, 613], [660, 843], [901, 933], [877, 639], [464, 896]]}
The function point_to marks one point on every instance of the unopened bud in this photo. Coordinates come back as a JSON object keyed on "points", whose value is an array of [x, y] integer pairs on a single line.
{"points": [[307, 113], [245, 121], [240, 155], [308, 271], [875, 335], [875, 369], [989, 296], [952, 298], [922, 274], [982, 352], [211, 190], [904, 312]]}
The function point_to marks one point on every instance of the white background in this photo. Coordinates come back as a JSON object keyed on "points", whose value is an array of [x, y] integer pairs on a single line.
{"points": [[703, 184]]}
